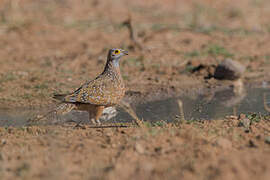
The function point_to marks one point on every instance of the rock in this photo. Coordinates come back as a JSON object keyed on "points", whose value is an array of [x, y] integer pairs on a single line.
{"points": [[3, 142], [139, 148], [267, 140], [244, 122], [229, 69]]}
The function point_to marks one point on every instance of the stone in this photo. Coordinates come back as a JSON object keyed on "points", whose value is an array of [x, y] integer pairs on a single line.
{"points": [[244, 122], [3, 142], [267, 140], [229, 70], [139, 148]]}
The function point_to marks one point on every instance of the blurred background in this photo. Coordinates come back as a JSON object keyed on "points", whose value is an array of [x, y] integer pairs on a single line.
{"points": [[49, 46], [53, 46]]}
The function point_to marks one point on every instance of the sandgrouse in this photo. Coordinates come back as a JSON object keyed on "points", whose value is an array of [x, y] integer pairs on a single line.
{"points": [[105, 90]]}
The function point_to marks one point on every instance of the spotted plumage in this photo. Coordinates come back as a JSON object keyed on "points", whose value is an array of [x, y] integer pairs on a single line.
{"points": [[105, 90]]}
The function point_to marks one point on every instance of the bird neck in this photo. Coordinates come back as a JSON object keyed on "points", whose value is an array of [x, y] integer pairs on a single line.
{"points": [[112, 66]]}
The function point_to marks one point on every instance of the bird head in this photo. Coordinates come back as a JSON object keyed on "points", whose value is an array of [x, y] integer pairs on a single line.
{"points": [[116, 54]]}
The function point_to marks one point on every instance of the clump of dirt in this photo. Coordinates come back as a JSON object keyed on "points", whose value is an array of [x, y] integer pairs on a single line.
{"points": [[202, 70]]}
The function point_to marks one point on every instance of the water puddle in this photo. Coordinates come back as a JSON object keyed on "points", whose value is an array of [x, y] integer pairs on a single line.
{"points": [[214, 104]]}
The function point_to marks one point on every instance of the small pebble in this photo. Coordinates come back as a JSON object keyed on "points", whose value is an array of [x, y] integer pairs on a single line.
{"points": [[3, 142], [139, 148], [244, 122], [267, 140]]}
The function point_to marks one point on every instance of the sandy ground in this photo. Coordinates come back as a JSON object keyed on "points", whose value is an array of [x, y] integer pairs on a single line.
{"points": [[199, 150], [55, 46]]}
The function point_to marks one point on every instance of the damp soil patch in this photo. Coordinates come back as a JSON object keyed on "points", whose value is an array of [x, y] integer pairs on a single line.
{"points": [[198, 105]]}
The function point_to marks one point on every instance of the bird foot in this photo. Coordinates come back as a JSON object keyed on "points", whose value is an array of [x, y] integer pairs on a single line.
{"points": [[98, 122], [95, 121], [79, 126]]}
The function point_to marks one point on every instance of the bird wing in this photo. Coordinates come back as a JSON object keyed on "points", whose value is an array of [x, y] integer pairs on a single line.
{"points": [[100, 91]]}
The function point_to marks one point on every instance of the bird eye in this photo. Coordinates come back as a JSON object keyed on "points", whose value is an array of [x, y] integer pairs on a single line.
{"points": [[116, 52]]}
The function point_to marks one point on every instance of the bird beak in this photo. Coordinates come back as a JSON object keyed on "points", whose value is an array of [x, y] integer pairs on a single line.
{"points": [[125, 52]]}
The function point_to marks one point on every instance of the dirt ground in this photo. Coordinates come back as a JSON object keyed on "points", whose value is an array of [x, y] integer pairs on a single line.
{"points": [[54, 46], [200, 150]]}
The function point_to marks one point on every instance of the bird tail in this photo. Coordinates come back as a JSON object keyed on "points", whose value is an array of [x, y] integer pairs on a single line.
{"points": [[61, 109], [60, 97]]}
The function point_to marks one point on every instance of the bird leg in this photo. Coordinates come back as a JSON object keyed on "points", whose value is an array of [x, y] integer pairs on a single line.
{"points": [[126, 106], [97, 114], [94, 112]]}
